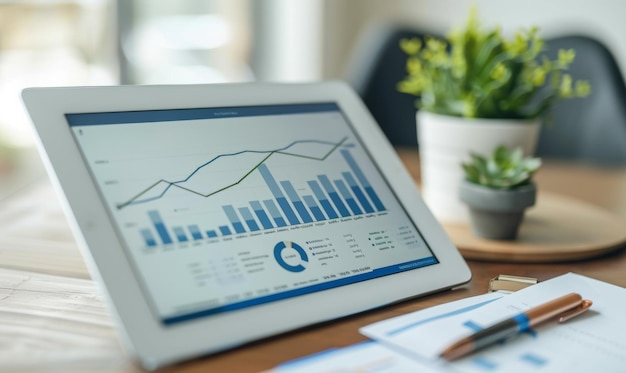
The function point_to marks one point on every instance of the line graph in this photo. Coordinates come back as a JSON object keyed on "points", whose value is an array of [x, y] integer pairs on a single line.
{"points": [[137, 199], [294, 195], [220, 205]]}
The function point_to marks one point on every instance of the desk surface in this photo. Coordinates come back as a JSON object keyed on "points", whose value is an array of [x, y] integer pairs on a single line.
{"points": [[51, 317]]}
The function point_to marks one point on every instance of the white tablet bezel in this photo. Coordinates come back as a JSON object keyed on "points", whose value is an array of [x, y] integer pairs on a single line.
{"points": [[156, 345]]}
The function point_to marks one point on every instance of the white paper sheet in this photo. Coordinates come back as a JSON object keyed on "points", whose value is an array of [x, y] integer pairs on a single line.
{"points": [[433, 322], [360, 358], [594, 341]]}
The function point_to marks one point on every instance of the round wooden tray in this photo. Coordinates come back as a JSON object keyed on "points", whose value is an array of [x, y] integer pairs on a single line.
{"points": [[556, 229]]}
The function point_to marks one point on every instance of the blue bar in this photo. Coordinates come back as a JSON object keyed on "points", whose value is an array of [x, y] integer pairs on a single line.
{"points": [[330, 211], [195, 232], [278, 194], [363, 180], [148, 237], [180, 234], [295, 199], [358, 192], [260, 213], [319, 216], [247, 216], [234, 219], [160, 227], [211, 233], [328, 186], [278, 218], [343, 189], [225, 230]]}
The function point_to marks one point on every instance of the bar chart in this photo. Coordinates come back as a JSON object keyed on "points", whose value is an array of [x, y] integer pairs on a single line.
{"points": [[229, 208], [345, 193]]}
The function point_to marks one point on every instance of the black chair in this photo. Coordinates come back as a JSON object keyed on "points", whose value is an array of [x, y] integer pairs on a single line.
{"points": [[592, 129], [378, 64]]}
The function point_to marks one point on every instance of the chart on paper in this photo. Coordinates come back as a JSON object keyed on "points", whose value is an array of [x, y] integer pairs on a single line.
{"points": [[589, 342]]}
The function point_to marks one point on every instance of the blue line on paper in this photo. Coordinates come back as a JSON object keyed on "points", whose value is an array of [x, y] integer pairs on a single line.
{"points": [[438, 317], [485, 364], [534, 360], [473, 326]]}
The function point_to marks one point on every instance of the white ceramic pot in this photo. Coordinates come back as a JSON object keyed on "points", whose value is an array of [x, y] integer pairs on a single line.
{"points": [[445, 142]]}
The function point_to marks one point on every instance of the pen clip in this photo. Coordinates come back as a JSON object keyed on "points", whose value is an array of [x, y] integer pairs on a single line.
{"points": [[582, 307]]}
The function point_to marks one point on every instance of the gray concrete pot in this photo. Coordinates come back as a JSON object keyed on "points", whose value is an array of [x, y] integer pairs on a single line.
{"points": [[496, 213]]}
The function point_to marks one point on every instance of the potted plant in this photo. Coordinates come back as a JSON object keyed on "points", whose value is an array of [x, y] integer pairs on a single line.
{"points": [[478, 89], [498, 189]]}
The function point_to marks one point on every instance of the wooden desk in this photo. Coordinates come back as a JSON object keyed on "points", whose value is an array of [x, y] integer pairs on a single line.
{"points": [[51, 319]]}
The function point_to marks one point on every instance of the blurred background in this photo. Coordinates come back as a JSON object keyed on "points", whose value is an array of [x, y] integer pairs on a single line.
{"points": [[105, 42]]}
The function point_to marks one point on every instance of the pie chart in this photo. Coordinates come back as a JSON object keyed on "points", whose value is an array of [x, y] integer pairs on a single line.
{"points": [[290, 256]]}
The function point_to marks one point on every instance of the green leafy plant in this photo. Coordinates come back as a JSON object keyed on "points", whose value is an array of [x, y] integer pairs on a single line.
{"points": [[478, 73], [504, 169]]}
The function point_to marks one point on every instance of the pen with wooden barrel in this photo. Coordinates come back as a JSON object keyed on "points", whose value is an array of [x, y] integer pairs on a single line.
{"points": [[565, 307]]}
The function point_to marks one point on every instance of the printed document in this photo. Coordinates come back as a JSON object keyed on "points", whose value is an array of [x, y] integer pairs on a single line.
{"points": [[593, 341]]}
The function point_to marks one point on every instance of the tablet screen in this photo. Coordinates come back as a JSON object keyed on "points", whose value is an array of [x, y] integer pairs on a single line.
{"points": [[221, 209]]}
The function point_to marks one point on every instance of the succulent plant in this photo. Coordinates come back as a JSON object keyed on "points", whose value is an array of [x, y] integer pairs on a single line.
{"points": [[504, 169]]}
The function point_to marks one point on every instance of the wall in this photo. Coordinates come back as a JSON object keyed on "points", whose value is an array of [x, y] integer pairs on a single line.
{"points": [[287, 40], [347, 19]]}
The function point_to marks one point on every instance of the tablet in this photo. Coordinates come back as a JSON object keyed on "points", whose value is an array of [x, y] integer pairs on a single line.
{"points": [[214, 215]]}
